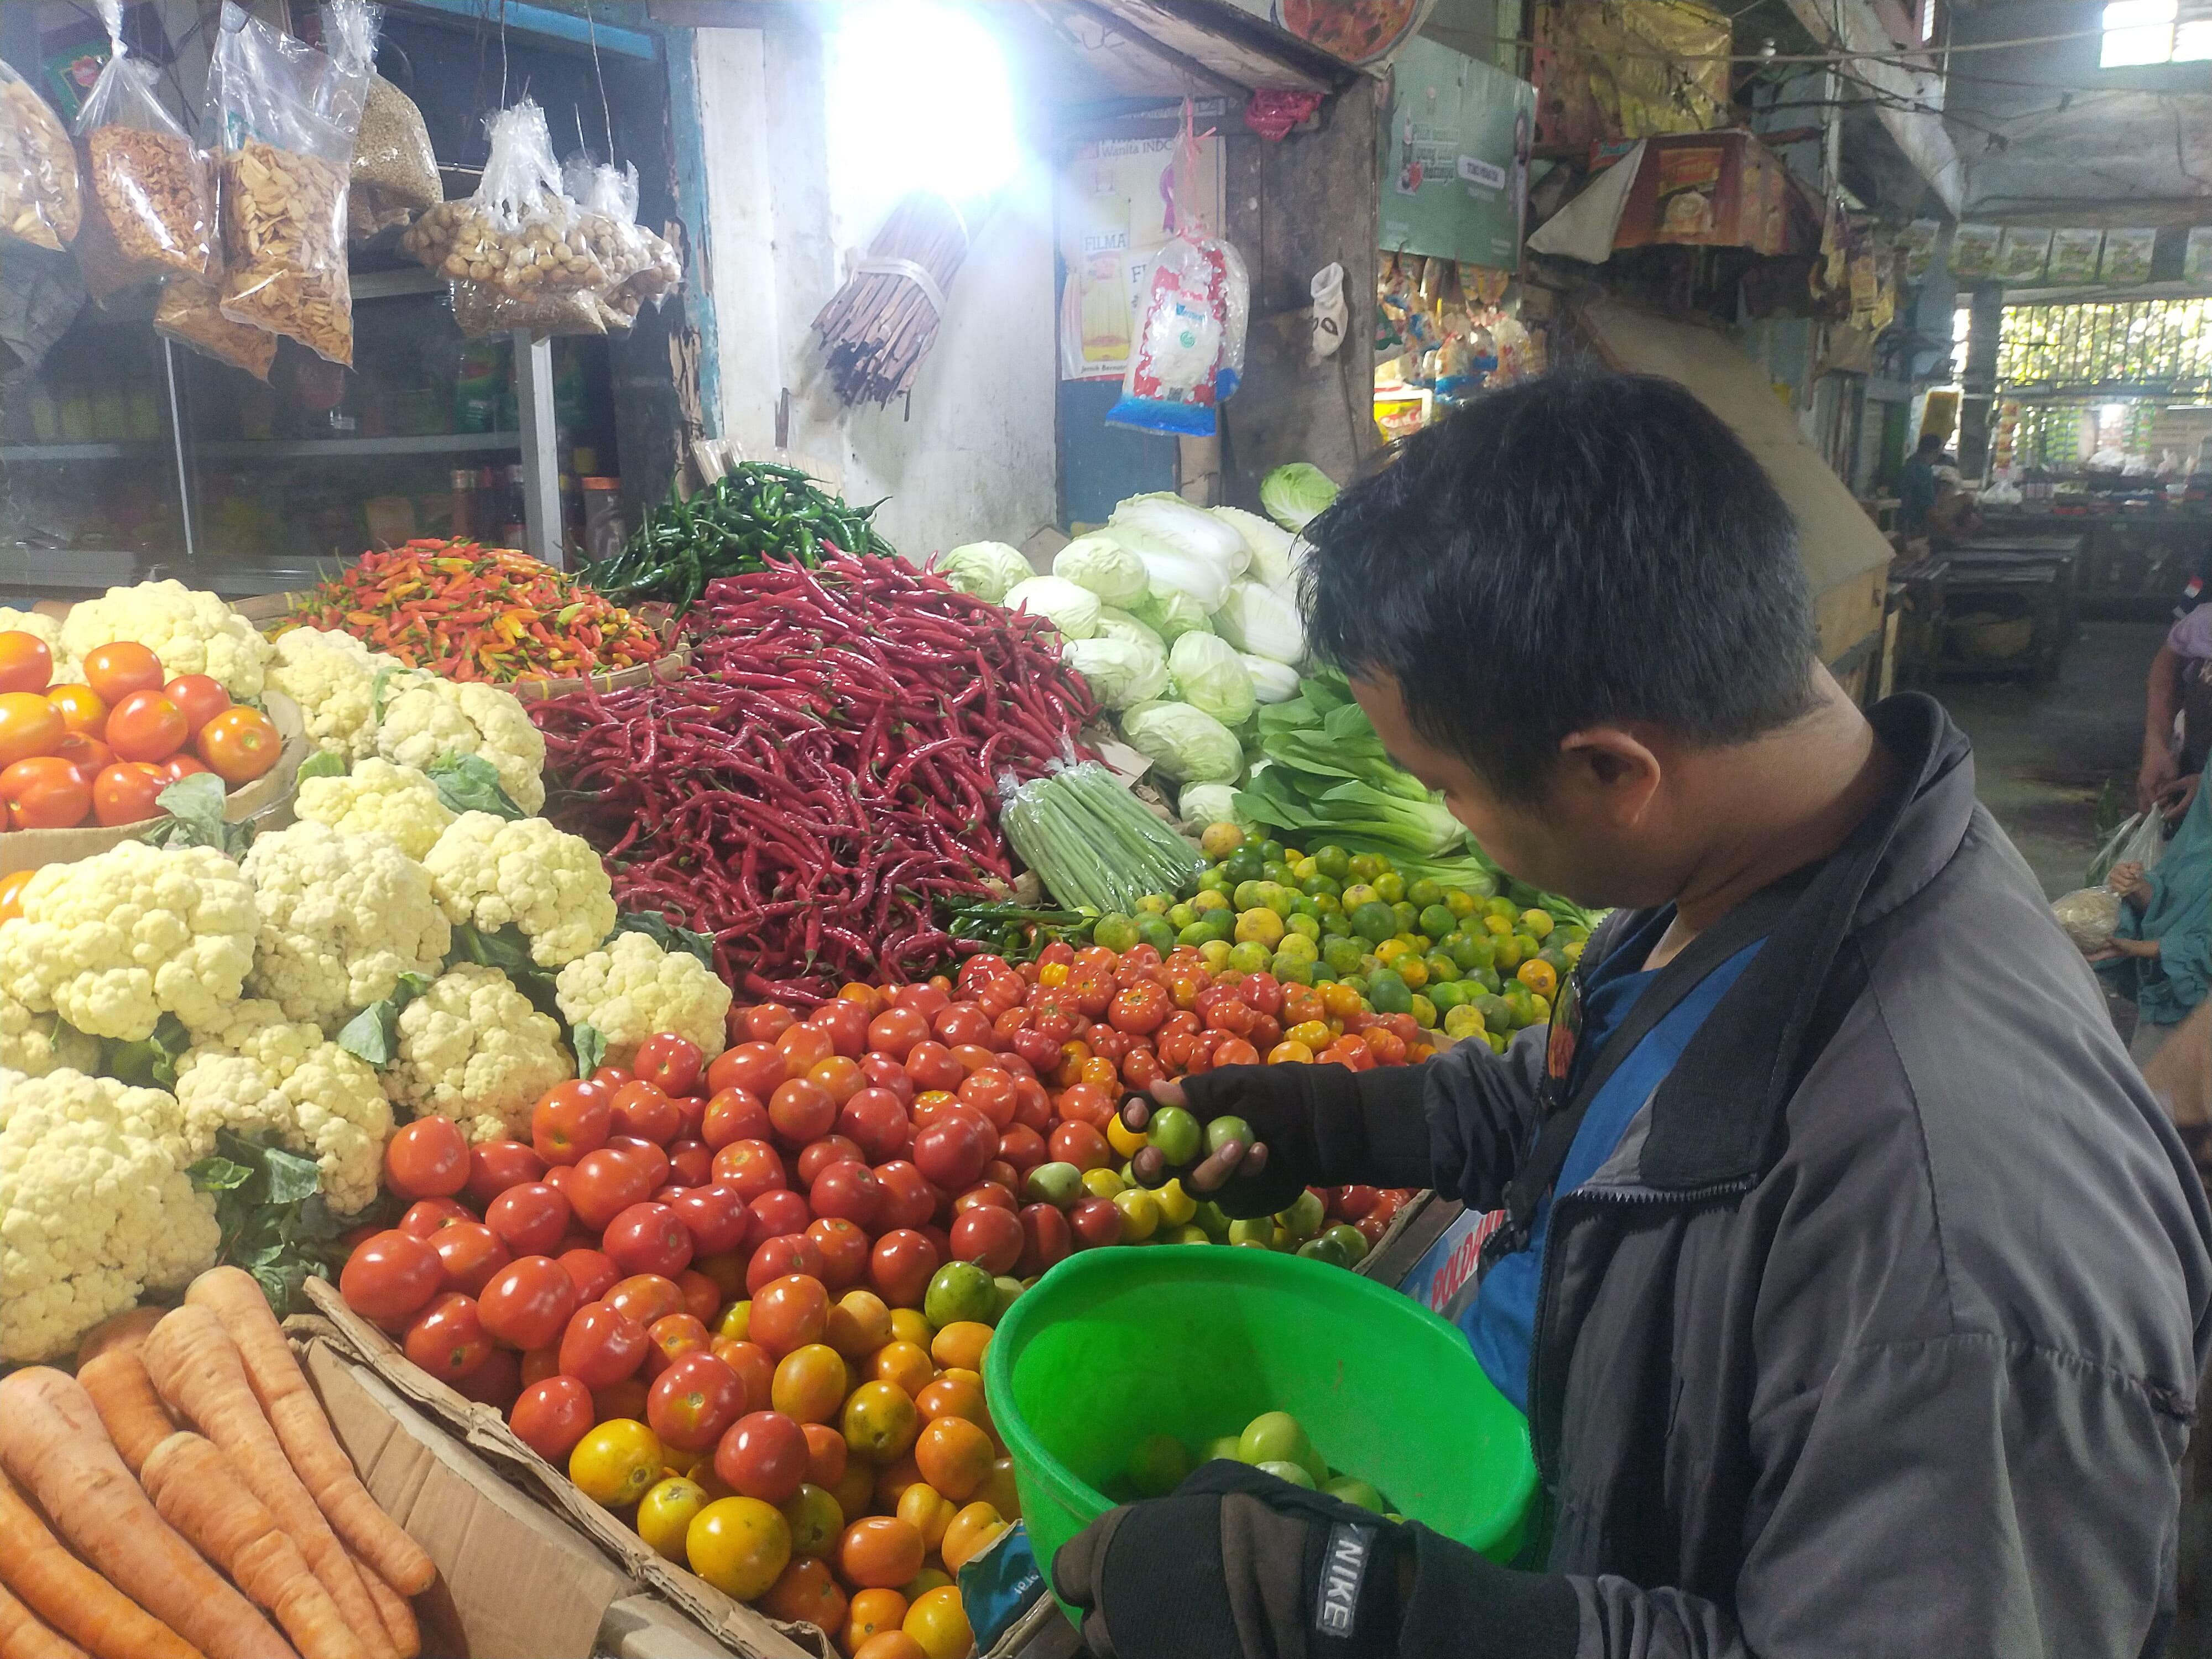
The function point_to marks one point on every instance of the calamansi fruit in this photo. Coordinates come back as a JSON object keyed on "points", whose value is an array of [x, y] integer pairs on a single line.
{"points": [[739, 1545], [616, 1463]]}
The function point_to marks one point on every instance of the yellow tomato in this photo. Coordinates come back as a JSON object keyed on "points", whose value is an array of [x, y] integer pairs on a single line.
{"points": [[1314, 1033], [974, 1530], [998, 1489], [938, 1623], [928, 1510], [1177, 1206], [736, 1322], [664, 1514], [871, 1613], [1140, 1215], [739, 1545], [1290, 1054], [1102, 1183], [1124, 1140], [1538, 976], [908, 1325], [1053, 974], [921, 1584], [904, 1363], [879, 1421], [11, 893], [615, 1463], [1340, 998], [961, 1345]]}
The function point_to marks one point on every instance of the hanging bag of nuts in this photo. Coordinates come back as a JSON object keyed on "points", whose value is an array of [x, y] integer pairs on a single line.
{"points": [[518, 234], [38, 201], [149, 189], [289, 114], [394, 175], [642, 265]]}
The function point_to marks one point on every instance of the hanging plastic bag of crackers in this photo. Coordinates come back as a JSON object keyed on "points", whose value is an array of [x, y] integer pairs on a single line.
{"points": [[38, 199], [149, 190], [518, 233], [288, 115]]}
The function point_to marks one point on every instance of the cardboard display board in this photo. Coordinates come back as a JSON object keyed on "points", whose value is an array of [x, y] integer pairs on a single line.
{"points": [[1454, 158]]}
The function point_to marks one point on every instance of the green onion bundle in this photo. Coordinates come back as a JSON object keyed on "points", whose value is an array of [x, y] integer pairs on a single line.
{"points": [[1092, 843]]}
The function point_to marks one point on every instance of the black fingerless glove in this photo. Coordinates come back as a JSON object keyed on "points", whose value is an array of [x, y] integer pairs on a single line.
{"points": [[1319, 1124], [1240, 1564]]}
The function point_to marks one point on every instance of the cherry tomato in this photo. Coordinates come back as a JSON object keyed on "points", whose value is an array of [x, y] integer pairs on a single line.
{"points": [[774, 1214], [238, 744], [200, 698], [603, 1184], [806, 1047], [390, 1278], [26, 663], [645, 1154], [427, 1215], [648, 1238], [531, 1218], [570, 1120], [117, 670], [45, 793], [908, 1199], [527, 1303], [594, 1273], [844, 1249], [427, 1158], [847, 1023], [468, 1254], [673, 1336], [550, 1417], [734, 1115], [145, 726], [846, 1191], [126, 793], [672, 1061], [755, 1067], [29, 726], [789, 1313], [178, 767], [895, 1031], [692, 1402], [447, 1340], [642, 1109], [780, 1257], [496, 1165], [989, 1237], [819, 1155], [690, 1164]]}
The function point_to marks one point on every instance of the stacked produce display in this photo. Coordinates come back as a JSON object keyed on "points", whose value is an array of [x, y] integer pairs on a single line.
{"points": [[695, 1066]]}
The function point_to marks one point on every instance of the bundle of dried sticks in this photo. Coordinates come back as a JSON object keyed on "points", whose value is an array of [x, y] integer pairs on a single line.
{"points": [[881, 323]]}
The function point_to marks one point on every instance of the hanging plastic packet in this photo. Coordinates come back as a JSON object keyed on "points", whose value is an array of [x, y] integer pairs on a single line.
{"points": [[643, 266], [518, 233], [1189, 349], [394, 172], [149, 189], [38, 199], [480, 310], [190, 313], [288, 115]]}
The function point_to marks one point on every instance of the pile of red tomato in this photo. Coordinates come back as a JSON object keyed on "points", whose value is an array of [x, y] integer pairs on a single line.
{"points": [[746, 1306], [103, 751]]}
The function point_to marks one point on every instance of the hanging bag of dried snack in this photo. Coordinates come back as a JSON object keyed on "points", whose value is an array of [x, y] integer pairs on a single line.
{"points": [[290, 113], [149, 189], [641, 265], [38, 201], [394, 174], [518, 233]]}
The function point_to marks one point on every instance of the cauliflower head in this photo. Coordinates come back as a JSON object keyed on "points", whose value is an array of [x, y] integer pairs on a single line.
{"points": [[113, 942], [549, 883], [35, 1044], [425, 716], [634, 988], [473, 1049], [192, 632], [399, 800], [332, 676], [68, 670], [95, 1207], [280, 1081], [341, 918]]}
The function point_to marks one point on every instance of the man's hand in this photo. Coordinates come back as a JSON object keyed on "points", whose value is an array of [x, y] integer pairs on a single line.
{"points": [[2157, 776], [1249, 1174], [1235, 1564], [1235, 1157], [2178, 795]]}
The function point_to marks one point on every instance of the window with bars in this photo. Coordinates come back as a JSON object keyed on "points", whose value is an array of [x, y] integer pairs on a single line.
{"points": [[2138, 31], [2158, 346]]}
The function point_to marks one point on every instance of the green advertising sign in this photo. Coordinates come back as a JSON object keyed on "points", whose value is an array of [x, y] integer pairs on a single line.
{"points": [[1456, 157]]}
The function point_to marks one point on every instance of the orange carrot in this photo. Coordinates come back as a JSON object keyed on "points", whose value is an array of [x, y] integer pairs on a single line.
{"points": [[198, 1494], [126, 1330], [73, 1598], [22, 1637], [399, 1617], [133, 1414], [51, 1442], [197, 1370], [297, 1416]]}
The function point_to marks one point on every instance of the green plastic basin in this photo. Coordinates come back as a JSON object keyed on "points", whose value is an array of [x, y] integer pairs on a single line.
{"points": [[1195, 1340]]}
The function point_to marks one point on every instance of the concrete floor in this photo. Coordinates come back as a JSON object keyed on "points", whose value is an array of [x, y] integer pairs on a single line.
{"points": [[2042, 756]]}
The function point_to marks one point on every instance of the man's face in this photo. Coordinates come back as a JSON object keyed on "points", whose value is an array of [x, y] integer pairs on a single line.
{"points": [[1590, 835]]}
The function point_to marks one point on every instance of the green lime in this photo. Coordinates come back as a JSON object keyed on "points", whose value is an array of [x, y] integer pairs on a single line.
{"points": [[1448, 995], [1177, 1135], [1306, 925], [1009, 1288], [961, 1290], [1374, 922], [1242, 865], [1154, 930], [1222, 1446], [1505, 910], [1408, 918], [1193, 933], [1158, 1465], [1427, 891], [1350, 1239], [1388, 993], [1283, 1470], [1437, 922], [1115, 932], [1293, 970], [1316, 886], [1424, 1012], [1213, 881], [1260, 1230], [1441, 967], [1350, 1489], [1274, 1436], [1223, 1130], [1183, 914], [1325, 1249], [1272, 851], [1332, 860], [1276, 871], [1248, 895], [1304, 1217], [1342, 953]]}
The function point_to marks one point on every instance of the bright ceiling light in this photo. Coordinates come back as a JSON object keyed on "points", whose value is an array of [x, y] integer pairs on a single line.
{"points": [[922, 101]]}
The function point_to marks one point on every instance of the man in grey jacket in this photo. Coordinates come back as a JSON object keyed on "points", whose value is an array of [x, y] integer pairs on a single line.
{"points": [[1854, 1287]]}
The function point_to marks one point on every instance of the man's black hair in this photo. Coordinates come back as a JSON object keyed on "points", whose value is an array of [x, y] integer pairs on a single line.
{"points": [[1572, 552], [1931, 443]]}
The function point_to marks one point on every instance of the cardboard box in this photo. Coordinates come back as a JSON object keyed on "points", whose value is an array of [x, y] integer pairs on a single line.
{"points": [[1712, 190], [702, 1612]]}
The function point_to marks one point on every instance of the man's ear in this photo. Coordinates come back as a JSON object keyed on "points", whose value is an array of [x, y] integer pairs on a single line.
{"points": [[1609, 773]]}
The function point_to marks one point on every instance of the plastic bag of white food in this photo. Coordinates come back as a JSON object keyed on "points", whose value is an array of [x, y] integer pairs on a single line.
{"points": [[1105, 566], [1189, 349], [1118, 673], [989, 571], [1074, 610], [1184, 745], [2088, 915], [1211, 676], [2138, 840]]}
